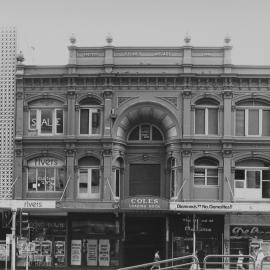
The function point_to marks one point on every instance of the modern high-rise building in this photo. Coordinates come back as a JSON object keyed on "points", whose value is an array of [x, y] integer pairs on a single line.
{"points": [[8, 47], [129, 150]]}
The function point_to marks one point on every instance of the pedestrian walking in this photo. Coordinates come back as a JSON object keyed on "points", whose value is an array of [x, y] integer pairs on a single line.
{"points": [[259, 258], [240, 260], [156, 264]]}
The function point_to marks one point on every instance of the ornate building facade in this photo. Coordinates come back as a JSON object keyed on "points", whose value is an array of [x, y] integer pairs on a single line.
{"points": [[126, 150]]}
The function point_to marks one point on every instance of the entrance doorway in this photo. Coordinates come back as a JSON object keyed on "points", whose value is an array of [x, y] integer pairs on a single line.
{"points": [[143, 236]]}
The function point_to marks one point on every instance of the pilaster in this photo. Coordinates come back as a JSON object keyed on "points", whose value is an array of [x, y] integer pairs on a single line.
{"points": [[187, 94], [71, 113], [107, 112], [108, 193]]}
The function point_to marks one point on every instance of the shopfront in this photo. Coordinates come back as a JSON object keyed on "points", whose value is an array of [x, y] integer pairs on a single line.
{"points": [[248, 232], [94, 240], [144, 229], [200, 231], [46, 243]]}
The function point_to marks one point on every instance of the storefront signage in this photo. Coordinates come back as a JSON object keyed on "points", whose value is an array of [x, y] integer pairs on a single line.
{"points": [[45, 162], [219, 207], [104, 252], [144, 203], [91, 252], [28, 204], [76, 249], [250, 231]]}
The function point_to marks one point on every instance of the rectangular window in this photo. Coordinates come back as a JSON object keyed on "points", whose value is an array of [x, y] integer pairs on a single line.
{"points": [[144, 179], [266, 123], [173, 183], [46, 179], [84, 121], [89, 183], [206, 176], [46, 121], [212, 121], [200, 121], [253, 122], [117, 183], [95, 181], [95, 122], [59, 121], [145, 132], [252, 184], [240, 123], [32, 119], [90, 121]]}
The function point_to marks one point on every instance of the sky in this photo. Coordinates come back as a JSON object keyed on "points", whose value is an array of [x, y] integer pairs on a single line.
{"points": [[45, 26]]}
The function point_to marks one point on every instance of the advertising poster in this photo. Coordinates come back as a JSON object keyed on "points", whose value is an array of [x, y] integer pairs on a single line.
{"points": [[104, 252], [4, 252], [91, 252], [76, 250]]}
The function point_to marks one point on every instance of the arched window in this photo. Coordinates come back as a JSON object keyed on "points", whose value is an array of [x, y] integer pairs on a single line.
{"points": [[45, 174], [89, 178], [46, 117], [145, 132], [206, 117], [206, 172], [252, 180], [252, 118], [90, 116], [173, 178]]}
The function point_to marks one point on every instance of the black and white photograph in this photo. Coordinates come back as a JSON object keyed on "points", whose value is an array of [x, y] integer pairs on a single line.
{"points": [[135, 134]]}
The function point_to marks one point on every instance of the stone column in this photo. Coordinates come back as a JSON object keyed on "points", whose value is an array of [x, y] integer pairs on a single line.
{"points": [[227, 96], [187, 183], [107, 112], [187, 94], [71, 113], [107, 175], [228, 184], [20, 184], [71, 189]]}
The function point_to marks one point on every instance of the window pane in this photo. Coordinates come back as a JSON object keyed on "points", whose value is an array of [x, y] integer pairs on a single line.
{"points": [[60, 179], [240, 123], [253, 179], [212, 181], [33, 119], [50, 179], [173, 193], [212, 172], [212, 121], [134, 135], [46, 121], [266, 123], [253, 122], [84, 121], [156, 135], [96, 122], [266, 189], [117, 183], [95, 181], [199, 181], [199, 176], [266, 175], [59, 121], [239, 174], [83, 184], [41, 179], [145, 132], [239, 184], [32, 186], [200, 121]]}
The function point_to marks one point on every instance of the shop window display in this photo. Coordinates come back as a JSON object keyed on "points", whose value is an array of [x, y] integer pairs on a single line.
{"points": [[94, 243], [47, 244]]}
